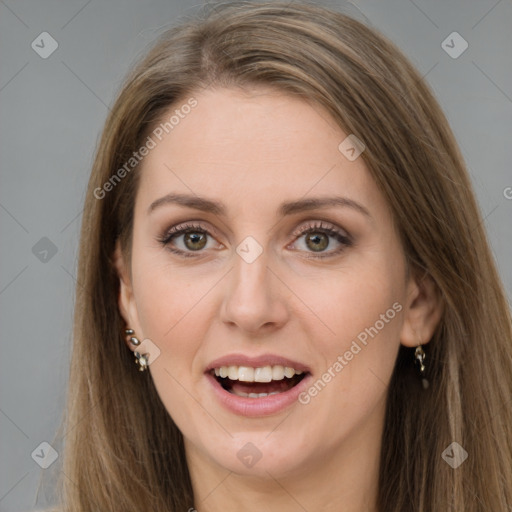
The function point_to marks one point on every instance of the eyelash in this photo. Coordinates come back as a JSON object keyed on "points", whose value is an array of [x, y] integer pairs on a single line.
{"points": [[183, 229]]}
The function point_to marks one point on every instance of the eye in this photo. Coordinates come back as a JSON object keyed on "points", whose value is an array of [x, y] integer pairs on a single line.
{"points": [[191, 240], [186, 239], [317, 237]]}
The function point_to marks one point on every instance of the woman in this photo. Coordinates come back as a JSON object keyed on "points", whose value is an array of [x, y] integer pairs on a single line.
{"points": [[287, 297]]}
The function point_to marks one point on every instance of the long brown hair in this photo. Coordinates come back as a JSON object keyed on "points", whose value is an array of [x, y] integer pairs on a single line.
{"points": [[122, 449]]}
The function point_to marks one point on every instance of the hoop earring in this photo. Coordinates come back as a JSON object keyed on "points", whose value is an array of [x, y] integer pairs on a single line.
{"points": [[419, 357], [142, 360]]}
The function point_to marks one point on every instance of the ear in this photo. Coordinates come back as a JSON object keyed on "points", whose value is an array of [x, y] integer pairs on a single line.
{"points": [[126, 299], [423, 310]]}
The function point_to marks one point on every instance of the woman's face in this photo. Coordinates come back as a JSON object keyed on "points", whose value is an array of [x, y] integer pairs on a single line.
{"points": [[262, 251]]}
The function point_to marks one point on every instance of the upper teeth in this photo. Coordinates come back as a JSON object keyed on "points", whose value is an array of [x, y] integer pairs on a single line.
{"points": [[264, 374]]}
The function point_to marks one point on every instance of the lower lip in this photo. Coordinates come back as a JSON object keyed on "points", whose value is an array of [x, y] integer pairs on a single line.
{"points": [[263, 406]]}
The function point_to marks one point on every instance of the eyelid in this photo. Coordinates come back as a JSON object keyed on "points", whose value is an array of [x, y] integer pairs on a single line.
{"points": [[192, 225], [320, 225]]}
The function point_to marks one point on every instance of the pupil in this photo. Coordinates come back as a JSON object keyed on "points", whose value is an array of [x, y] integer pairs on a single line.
{"points": [[195, 241], [320, 241]]}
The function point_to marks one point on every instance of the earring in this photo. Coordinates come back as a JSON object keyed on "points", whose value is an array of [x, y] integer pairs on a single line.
{"points": [[419, 356], [131, 338], [142, 360]]}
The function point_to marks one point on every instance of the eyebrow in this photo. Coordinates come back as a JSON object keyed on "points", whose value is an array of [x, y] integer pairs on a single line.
{"points": [[287, 208]]}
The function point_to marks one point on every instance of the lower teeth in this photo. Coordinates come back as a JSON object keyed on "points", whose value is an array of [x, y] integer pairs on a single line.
{"points": [[253, 395]]}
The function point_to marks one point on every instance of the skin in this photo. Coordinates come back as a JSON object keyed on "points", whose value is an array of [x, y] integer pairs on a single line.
{"points": [[252, 150]]}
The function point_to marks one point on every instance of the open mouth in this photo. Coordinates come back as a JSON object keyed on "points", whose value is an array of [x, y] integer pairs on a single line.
{"points": [[250, 382]]}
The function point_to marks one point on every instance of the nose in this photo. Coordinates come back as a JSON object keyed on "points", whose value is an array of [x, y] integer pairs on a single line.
{"points": [[255, 299]]}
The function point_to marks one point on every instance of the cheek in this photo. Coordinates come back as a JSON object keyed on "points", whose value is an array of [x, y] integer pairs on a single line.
{"points": [[175, 311], [357, 334], [166, 295], [345, 302], [175, 314], [171, 307]]}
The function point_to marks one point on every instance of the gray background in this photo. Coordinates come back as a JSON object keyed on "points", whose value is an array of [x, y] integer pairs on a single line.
{"points": [[53, 110]]}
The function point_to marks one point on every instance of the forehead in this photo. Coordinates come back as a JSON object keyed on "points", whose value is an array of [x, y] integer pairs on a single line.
{"points": [[258, 147]]}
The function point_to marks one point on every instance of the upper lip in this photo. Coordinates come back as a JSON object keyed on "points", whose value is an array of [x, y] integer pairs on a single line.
{"points": [[256, 362]]}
